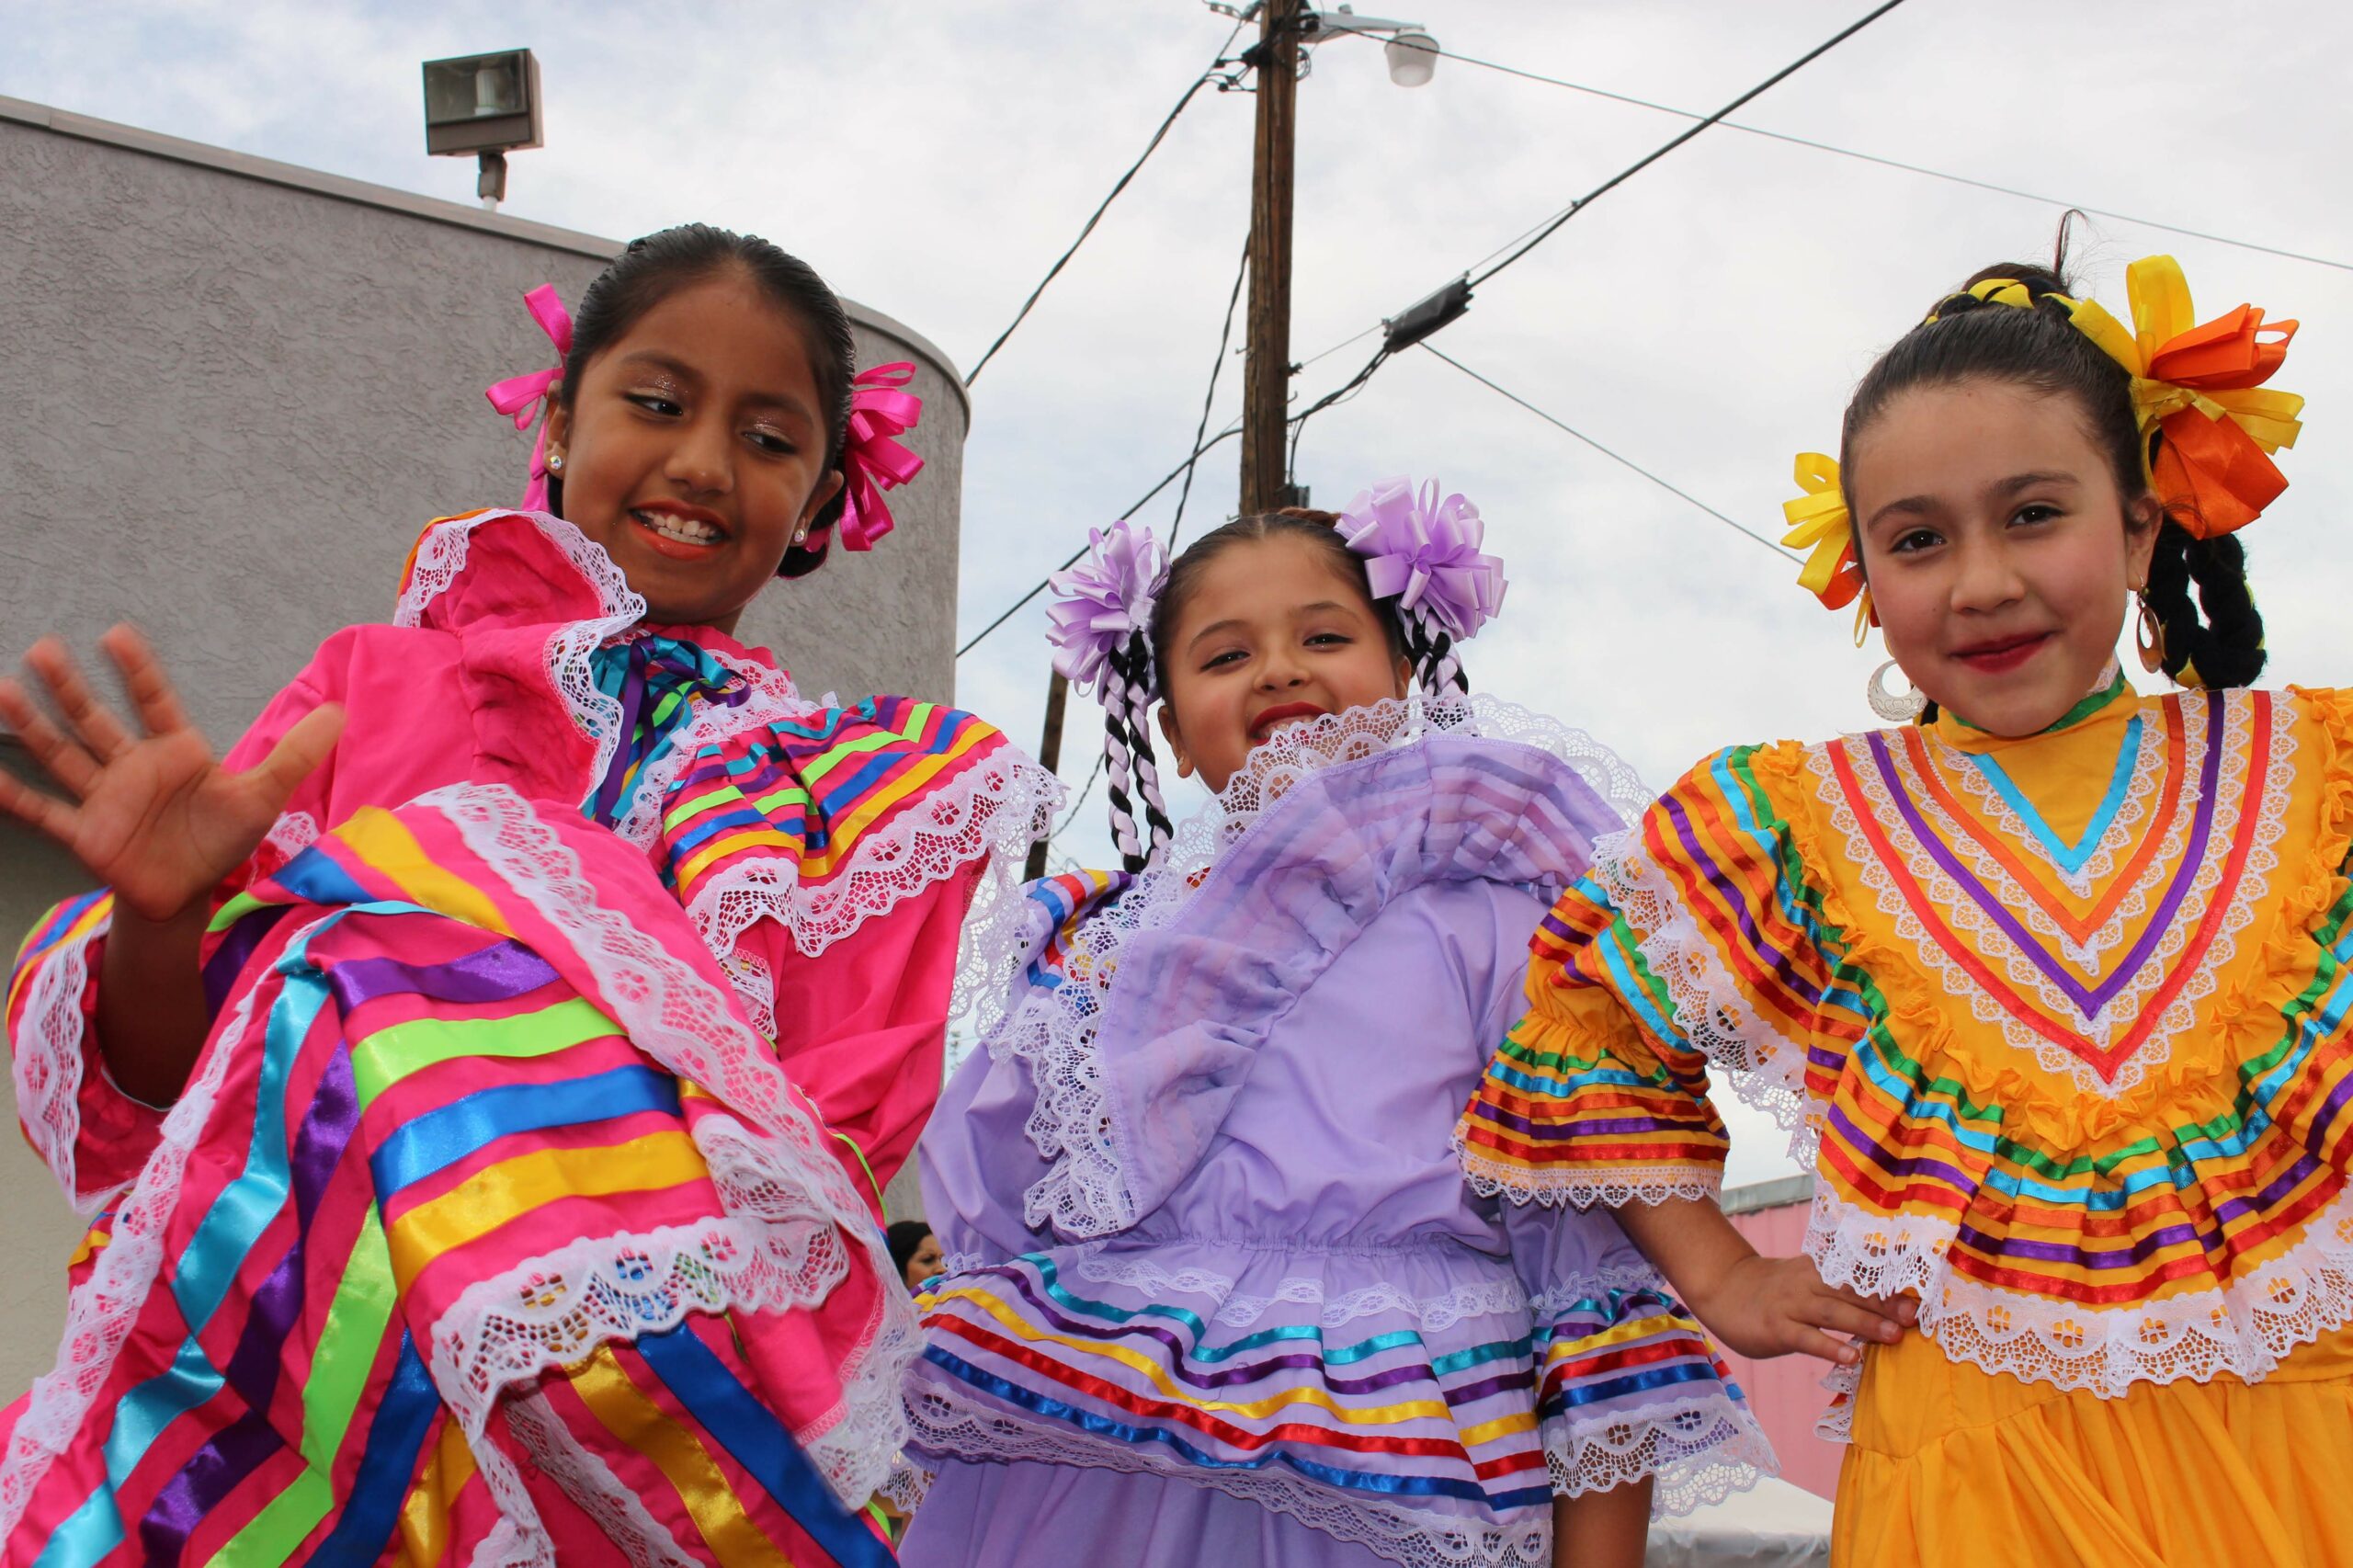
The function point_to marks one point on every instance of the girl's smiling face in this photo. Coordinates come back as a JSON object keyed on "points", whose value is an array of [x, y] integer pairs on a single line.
{"points": [[694, 448], [1998, 548], [1272, 634]]}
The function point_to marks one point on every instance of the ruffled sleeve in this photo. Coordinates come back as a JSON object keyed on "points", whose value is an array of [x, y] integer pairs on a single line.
{"points": [[979, 1156], [1629, 1386], [864, 1029], [93, 1136], [1694, 941]]}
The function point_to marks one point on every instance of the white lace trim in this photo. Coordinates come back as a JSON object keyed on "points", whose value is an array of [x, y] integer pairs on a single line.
{"points": [[1767, 1066], [2245, 1328], [1084, 1192], [441, 556], [591, 1484], [949, 1425], [1700, 1449], [1475, 1299], [1696, 1452], [100, 1311], [790, 1205], [995, 809], [2123, 1010], [1581, 1188], [50, 1059]]}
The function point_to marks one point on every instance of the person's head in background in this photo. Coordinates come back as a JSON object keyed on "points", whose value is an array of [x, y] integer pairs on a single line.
{"points": [[914, 1251]]}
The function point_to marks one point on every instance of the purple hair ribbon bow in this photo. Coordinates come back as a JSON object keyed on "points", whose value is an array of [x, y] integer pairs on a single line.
{"points": [[1105, 600], [1424, 553], [520, 396], [872, 459]]}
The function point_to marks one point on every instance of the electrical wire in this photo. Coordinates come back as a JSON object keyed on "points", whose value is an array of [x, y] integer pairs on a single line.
{"points": [[1614, 457], [1166, 480], [1203, 80], [1535, 237], [1224, 337], [1546, 230], [1883, 163], [1513, 250]]}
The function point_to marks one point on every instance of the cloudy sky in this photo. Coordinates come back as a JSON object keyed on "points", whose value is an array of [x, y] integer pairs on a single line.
{"points": [[931, 157]]}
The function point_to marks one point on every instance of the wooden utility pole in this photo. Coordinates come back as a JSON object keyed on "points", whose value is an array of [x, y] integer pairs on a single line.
{"points": [[1049, 753], [1266, 377]]}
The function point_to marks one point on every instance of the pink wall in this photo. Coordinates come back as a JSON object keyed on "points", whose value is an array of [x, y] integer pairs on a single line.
{"points": [[1786, 1393]]}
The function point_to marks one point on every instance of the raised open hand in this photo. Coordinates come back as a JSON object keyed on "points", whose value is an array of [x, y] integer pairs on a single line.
{"points": [[154, 816]]}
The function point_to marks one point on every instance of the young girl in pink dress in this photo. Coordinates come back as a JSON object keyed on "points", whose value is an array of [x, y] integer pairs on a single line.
{"points": [[538, 992]]}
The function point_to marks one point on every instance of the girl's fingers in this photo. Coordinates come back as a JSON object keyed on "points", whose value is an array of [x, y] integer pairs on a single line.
{"points": [[68, 764], [1861, 1323], [297, 755], [1813, 1342], [45, 813], [151, 696], [99, 730], [1902, 1311]]}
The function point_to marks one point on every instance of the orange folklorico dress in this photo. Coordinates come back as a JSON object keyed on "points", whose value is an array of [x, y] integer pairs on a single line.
{"points": [[2060, 1023]]}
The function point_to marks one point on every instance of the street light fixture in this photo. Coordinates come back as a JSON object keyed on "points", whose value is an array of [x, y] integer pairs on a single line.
{"points": [[487, 105], [1411, 52]]}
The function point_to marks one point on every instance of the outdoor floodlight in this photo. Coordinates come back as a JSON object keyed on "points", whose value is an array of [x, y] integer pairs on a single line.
{"points": [[486, 105], [1413, 57]]}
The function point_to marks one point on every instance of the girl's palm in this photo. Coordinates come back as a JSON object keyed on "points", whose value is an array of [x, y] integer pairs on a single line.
{"points": [[154, 815]]}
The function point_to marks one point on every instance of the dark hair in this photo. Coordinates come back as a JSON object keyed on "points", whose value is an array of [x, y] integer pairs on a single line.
{"points": [[2041, 348], [906, 1238], [652, 268]]}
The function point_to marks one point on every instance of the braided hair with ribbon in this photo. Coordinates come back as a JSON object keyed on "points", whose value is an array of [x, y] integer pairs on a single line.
{"points": [[1100, 625], [865, 411], [2179, 408]]}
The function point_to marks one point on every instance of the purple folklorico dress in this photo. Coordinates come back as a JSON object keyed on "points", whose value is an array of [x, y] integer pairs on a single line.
{"points": [[1216, 1290]]}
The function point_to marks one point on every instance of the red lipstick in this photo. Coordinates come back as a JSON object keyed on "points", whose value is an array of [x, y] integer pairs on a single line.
{"points": [[1266, 722]]}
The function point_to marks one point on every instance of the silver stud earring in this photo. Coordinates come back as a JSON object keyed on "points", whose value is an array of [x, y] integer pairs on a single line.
{"points": [[1896, 708], [555, 463]]}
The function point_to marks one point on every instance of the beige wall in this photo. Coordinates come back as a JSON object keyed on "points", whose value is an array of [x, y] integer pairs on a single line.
{"points": [[236, 391]]}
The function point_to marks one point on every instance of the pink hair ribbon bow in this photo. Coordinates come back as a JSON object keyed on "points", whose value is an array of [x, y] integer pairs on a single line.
{"points": [[872, 459], [520, 396]]}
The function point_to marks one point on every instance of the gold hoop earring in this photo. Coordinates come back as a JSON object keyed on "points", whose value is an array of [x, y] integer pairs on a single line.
{"points": [[2149, 637]]}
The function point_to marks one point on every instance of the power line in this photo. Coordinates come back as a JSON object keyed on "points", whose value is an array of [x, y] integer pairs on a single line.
{"points": [[1547, 230], [1886, 162], [1224, 337], [1514, 250], [1134, 507], [1199, 81], [1613, 456]]}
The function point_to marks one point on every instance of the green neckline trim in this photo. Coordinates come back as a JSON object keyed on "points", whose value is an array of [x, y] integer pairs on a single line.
{"points": [[2075, 715]]}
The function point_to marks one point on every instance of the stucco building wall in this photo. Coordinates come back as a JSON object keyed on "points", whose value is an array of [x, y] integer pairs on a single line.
{"points": [[236, 391]]}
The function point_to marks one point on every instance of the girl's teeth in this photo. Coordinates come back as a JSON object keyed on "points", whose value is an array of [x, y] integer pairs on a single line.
{"points": [[685, 529]]}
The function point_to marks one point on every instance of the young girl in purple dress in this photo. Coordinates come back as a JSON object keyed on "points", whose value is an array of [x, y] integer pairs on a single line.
{"points": [[1215, 1290]]}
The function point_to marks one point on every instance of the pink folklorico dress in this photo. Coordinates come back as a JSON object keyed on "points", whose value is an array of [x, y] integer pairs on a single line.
{"points": [[522, 1203]]}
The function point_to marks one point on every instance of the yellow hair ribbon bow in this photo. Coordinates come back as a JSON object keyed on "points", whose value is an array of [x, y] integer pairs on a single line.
{"points": [[1819, 524], [1999, 291], [2202, 386]]}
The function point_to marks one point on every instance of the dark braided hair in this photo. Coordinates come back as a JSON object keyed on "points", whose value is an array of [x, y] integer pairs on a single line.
{"points": [[2215, 642], [652, 268]]}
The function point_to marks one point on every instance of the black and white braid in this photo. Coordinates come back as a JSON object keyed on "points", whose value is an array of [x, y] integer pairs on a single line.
{"points": [[1431, 652], [1129, 689]]}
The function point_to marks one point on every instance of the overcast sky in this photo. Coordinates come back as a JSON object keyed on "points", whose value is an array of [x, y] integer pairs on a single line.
{"points": [[931, 157]]}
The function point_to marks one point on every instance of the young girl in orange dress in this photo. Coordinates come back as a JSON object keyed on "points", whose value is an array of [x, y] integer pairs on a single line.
{"points": [[2049, 980]]}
